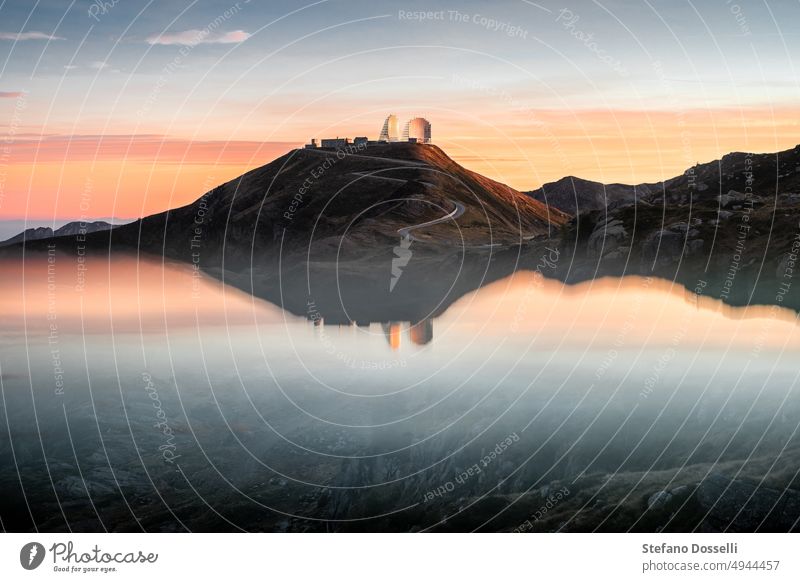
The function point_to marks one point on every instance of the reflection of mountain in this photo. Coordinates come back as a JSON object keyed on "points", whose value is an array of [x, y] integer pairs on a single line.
{"points": [[358, 291]]}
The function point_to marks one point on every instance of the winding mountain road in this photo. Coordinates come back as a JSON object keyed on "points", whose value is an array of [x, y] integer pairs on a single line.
{"points": [[452, 215], [458, 208], [405, 233]]}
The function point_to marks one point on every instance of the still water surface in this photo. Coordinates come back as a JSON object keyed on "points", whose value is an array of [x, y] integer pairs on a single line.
{"points": [[141, 395]]}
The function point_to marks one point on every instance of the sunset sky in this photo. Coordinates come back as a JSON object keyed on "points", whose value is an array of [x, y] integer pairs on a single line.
{"points": [[128, 108]]}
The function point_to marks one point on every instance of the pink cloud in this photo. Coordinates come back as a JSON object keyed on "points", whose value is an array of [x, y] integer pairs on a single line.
{"points": [[11, 94], [194, 37]]}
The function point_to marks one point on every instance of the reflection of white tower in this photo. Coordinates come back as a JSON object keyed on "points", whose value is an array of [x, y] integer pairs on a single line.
{"points": [[418, 128], [391, 129]]}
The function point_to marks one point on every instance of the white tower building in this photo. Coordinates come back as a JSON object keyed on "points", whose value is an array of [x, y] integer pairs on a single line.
{"points": [[419, 129], [391, 129]]}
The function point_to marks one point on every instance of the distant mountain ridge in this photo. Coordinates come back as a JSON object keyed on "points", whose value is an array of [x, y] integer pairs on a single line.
{"points": [[574, 195], [69, 229]]}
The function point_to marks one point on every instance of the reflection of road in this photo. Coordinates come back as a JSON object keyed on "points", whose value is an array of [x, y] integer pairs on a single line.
{"points": [[455, 213]]}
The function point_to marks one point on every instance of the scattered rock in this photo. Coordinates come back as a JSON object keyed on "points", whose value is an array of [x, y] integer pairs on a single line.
{"points": [[658, 500], [679, 227], [732, 198], [665, 245], [606, 237], [694, 247], [672, 242], [619, 253]]}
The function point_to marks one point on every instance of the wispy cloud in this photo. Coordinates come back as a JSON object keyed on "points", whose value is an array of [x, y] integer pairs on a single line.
{"points": [[102, 66], [11, 94], [194, 37], [94, 65], [99, 65], [32, 35]]}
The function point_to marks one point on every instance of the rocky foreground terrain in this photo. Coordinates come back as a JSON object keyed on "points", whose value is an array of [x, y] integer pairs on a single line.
{"points": [[474, 477]]}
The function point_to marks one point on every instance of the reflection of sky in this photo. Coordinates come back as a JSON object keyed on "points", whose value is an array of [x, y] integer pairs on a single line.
{"points": [[630, 313], [525, 108], [125, 295]]}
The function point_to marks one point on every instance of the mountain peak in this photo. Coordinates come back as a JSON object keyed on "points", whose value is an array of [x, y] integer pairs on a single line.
{"points": [[358, 197]]}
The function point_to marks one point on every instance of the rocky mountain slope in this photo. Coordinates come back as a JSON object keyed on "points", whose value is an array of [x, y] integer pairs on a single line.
{"points": [[772, 172]]}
